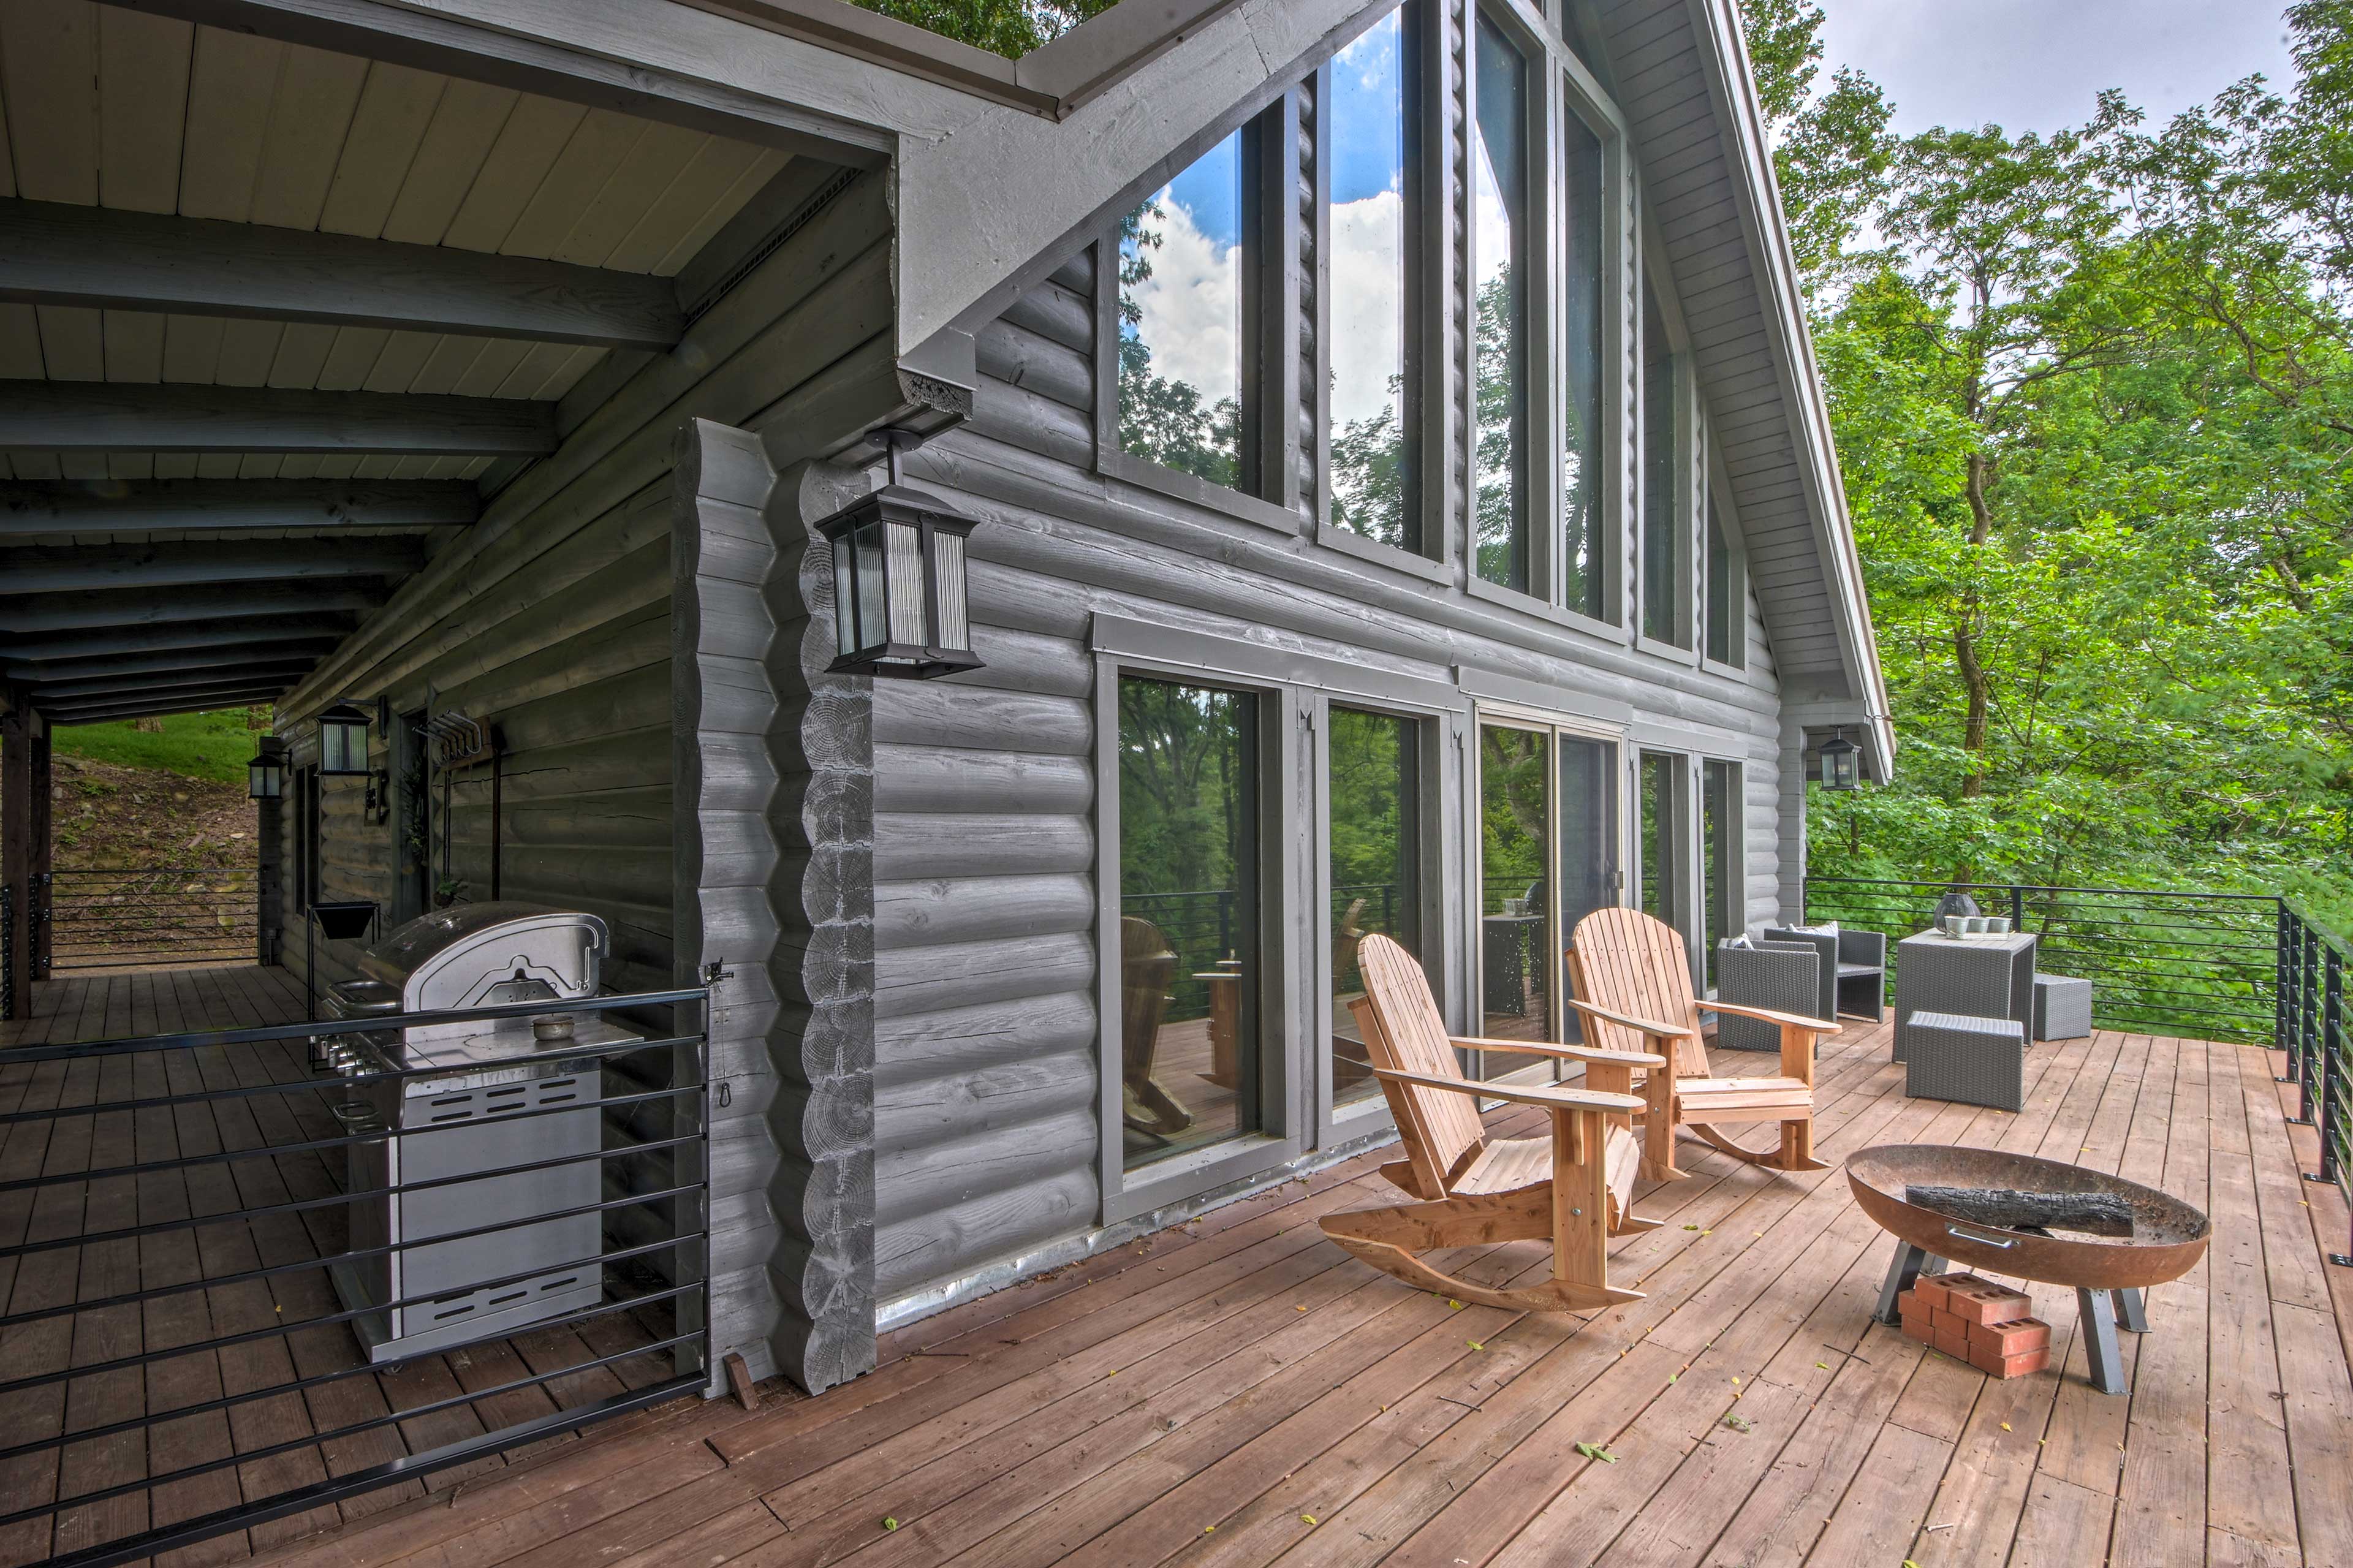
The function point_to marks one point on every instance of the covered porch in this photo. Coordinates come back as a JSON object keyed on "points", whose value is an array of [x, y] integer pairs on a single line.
{"points": [[1239, 1391]]}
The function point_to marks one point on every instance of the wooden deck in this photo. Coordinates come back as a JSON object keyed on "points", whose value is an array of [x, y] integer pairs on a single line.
{"points": [[1239, 1392], [161, 1001]]}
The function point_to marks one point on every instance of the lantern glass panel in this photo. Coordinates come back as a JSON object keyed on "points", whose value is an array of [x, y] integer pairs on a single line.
{"points": [[265, 781], [844, 599], [342, 746], [873, 619], [904, 547], [955, 631]]}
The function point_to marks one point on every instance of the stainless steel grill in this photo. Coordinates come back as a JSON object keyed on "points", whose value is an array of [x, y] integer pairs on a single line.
{"points": [[501, 1103]]}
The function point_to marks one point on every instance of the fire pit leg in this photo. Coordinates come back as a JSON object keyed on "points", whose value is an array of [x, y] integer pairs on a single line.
{"points": [[2132, 1310], [1910, 1263], [2102, 1359]]}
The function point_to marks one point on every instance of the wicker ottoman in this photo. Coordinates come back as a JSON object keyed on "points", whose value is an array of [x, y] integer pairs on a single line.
{"points": [[2063, 1007], [1976, 1062]]}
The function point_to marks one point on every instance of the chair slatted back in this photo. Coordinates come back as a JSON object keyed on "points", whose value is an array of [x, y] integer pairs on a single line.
{"points": [[1146, 967], [1407, 1033], [1634, 963]]}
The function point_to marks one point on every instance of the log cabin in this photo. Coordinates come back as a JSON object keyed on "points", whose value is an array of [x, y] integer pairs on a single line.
{"points": [[1400, 493]]}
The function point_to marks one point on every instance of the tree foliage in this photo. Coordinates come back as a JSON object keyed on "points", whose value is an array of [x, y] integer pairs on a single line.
{"points": [[1007, 27], [2092, 396]]}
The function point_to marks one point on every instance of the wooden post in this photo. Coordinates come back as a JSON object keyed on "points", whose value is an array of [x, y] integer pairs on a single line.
{"points": [[43, 846], [1580, 1197], [17, 839]]}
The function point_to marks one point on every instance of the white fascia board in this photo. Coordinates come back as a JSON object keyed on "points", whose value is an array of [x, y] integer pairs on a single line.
{"points": [[1733, 88]]}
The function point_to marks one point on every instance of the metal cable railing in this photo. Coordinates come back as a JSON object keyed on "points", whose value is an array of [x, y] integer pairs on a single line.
{"points": [[226, 1150], [2314, 1032], [152, 915]]}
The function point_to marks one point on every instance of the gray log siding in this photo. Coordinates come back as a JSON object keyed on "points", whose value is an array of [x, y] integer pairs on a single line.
{"points": [[822, 970]]}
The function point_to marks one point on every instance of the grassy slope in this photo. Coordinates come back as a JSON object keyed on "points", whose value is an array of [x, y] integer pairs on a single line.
{"points": [[198, 745]]}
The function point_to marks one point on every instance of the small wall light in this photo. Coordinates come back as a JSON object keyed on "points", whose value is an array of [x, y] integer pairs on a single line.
{"points": [[899, 602], [343, 742], [1841, 761]]}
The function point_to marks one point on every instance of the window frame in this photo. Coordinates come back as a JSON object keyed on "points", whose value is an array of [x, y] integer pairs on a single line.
{"points": [[1440, 856], [1424, 23], [1581, 94], [1271, 313], [1731, 856], [1688, 461], [1717, 500], [1502, 711]]}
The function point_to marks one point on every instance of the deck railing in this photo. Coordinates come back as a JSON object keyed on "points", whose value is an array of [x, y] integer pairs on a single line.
{"points": [[2314, 1033], [150, 915], [223, 1160], [2190, 964]]}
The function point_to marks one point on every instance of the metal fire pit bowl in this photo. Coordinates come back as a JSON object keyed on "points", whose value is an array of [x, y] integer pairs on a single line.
{"points": [[2108, 1273], [2168, 1236]]}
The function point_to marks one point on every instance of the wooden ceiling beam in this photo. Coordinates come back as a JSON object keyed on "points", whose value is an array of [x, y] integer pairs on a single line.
{"points": [[265, 623], [54, 254], [120, 416], [241, 654], [158, 506], [40, 569], [163, 702], [105, 687]]}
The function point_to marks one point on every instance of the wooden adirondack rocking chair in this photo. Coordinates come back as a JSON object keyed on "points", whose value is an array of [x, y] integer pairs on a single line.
{"points": [[1574, 1187], [1633, 993]]}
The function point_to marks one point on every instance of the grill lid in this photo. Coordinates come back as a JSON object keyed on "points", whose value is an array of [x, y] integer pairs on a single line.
{"points": [[475, 954]]}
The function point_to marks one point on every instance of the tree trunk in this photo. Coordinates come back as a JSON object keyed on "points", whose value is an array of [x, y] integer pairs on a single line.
{"points": [[1967, 629]]}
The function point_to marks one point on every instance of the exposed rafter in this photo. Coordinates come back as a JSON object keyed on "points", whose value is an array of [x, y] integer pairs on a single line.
{"points": [[104, 687], [192, 701], [246, 655], [271, 624], [156, 506], [120, 416], [53, 254], [51, 569], [86, 612]]}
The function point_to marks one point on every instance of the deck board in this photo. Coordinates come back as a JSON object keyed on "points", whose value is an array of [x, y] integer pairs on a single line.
{"points": [[1239, 1391]]}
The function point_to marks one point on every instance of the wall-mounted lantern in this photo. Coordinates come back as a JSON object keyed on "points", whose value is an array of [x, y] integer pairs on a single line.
{"points": [[1841, 759], [899, 602], [266, 775], [343, 742]]}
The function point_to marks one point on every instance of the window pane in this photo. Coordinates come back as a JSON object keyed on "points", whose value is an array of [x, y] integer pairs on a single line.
{"points": [[1589, 836], [1584, 534], [1374, 166], [1376, 868], [1182, 336], [1720, 850], [1188, 866], [1726, 619], [1662, 544], [1498, 243], [1666, 838], [1514, 907]]}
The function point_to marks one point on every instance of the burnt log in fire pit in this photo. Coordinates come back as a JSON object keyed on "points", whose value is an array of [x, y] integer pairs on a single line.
{"points": [[2164, 1239]]}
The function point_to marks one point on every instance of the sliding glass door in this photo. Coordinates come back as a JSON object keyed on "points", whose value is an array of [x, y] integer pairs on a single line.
{"points": [[1548, 839], [1375, 772]]}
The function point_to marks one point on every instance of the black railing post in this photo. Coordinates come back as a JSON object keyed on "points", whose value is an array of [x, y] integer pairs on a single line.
{"points": [[2284, 991], [8, 951], [2332, 1034], [2017, 908], [2307, 1023]]}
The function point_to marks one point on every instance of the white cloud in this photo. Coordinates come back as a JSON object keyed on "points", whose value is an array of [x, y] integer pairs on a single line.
{"points": [[1191, 305], [1366, 308]]}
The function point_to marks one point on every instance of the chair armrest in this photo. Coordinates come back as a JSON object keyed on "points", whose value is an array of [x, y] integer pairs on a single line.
{"points": [[1519, 1094], [1571, 1053], [1862, 946], [1641, 1025], [1765, 1014]]}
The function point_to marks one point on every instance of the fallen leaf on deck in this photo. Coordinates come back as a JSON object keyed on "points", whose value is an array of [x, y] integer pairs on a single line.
{"points": [[890, 1523], [1475, 1344], [1739, 1423], [1596, 1451]]}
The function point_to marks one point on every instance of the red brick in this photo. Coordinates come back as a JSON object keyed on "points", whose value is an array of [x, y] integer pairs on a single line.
{"points": [[2018, 1365], [1930, 1288], [1983, 1302], [2010, 1339], [1943, 1322], [1917, 1326], [1953, 1343]]}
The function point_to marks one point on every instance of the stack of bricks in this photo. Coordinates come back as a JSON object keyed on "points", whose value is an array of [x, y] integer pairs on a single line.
{"points": [[1990, 1326]]}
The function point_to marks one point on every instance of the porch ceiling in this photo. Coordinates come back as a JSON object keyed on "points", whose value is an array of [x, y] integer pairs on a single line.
{"points": [[292, 314]]}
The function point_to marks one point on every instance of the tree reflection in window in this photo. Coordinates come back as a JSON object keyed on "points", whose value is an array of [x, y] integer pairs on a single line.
{"points": [[1499, 244], [1372, 123], [1183, 334]]}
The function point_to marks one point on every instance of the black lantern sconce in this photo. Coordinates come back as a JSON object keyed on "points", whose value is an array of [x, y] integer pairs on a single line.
{"points": [[899, 602], [343, 742], [1841, 759], [266, 775]]}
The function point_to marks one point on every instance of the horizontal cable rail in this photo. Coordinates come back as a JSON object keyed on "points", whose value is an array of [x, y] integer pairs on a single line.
{"points": [[2202, 965], [150, 915], [287, 1220], [2313, 956]]}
